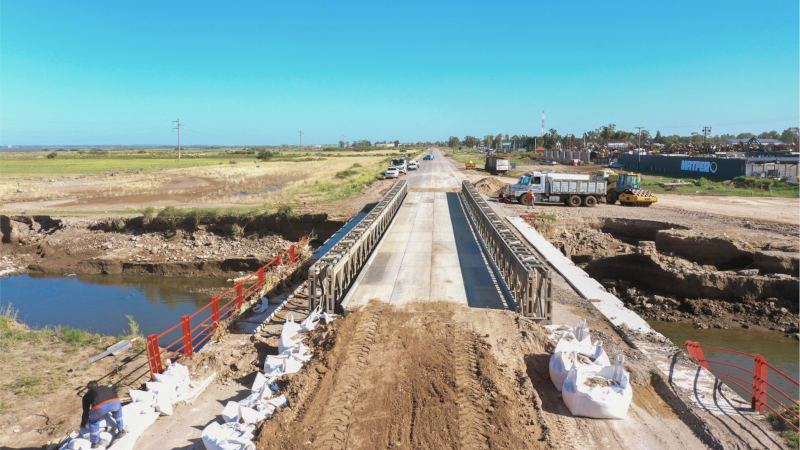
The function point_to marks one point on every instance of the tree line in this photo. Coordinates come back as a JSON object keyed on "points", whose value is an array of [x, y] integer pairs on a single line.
{"points": [[609, 133]]}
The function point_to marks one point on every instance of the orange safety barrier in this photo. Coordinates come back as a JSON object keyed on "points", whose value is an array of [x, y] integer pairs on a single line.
{"points": [[192, 338], [758, 387]]}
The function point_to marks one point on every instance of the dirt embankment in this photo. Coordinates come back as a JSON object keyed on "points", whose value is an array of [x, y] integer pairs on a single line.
{"points": [[183, 246], [667, 272], [491, 186], [386, 378], [446, 376]]}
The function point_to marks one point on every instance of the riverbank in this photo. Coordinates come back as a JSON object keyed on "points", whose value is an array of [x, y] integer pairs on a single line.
{"points": [[40, 397]]}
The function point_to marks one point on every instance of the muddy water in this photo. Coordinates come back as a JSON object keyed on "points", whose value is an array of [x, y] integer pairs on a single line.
{"points": [[99, 303], [780, 351]]}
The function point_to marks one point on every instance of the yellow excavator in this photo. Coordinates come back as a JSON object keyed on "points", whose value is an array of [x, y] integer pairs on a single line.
{"points": [[624, 186]]}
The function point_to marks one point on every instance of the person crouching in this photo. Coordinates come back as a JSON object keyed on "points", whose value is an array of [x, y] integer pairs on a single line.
{"points": [[97, 402]]}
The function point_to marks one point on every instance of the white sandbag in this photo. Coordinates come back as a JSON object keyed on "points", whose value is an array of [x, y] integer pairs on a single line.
{"points": [[231, 412], [104, 438], [248, 415], [278, 402], [562, 362], [604, 394], [328, 318], [259, 383], [164, 400], [312, 320], [144, 397], [79, 444], [225, 437], [289, 334]]}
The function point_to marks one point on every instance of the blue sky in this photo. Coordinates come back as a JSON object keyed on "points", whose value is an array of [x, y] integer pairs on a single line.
{"points": [[99, 72]]}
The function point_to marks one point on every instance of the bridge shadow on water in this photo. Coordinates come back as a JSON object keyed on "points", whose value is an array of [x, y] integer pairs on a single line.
{"points": [[481, 281]]}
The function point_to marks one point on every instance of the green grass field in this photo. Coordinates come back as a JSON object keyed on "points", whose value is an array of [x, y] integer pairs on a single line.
{"points": [[739, 186]]}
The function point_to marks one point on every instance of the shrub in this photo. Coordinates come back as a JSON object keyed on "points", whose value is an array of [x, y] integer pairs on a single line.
{"points": [[345, 173], [169, 211], [118, 224], [266, 155], [72, 335], [51, 155], [149, 212], [285, 210], [236, 231]]}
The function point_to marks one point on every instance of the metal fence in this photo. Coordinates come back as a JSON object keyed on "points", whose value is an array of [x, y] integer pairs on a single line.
{"points": [[526, 276], [331, 276]]}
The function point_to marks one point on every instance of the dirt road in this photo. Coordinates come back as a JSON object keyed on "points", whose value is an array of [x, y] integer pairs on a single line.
{"points": [[784, 210], [441, 375]]}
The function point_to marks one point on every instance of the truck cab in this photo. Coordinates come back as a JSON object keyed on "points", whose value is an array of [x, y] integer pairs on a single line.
{"points": [[530, 182]]}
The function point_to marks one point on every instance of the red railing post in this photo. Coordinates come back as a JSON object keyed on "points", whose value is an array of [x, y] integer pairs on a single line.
{"points": [[261, 277], [215, 312], [186, 322], [291, 253], [238, 297], [277, 260], [696, 352], [759, 399], [153, 355]]}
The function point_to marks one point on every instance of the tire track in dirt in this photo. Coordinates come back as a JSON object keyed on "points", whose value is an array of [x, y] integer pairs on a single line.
{"points": [[336, 421], [471, 417]]}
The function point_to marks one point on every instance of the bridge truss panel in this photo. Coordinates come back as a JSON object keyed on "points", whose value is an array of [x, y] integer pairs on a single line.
{"points": [[527, 277], [331, 276]]}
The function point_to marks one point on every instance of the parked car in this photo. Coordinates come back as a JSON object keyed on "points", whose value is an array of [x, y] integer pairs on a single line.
{"points": [[549, 163], [615, 165], [391, 172], [413, 165], [428, 156]]}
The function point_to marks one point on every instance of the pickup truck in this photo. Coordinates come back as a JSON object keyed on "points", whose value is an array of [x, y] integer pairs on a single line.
{"points": [[568, 188]]}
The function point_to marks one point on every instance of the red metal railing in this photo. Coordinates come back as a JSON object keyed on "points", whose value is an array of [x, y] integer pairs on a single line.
{"points": [[757, 384], [222, 307]]}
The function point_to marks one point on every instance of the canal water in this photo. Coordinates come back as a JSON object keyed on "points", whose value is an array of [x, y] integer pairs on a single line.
{"points": [[779, 350], [99, 303]]}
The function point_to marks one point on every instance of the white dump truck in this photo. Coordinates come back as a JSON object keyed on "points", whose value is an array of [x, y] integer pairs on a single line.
{"points": [[569, 188], [495, 164]]}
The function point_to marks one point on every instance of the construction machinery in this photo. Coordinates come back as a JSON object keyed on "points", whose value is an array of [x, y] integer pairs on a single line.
{"points": [[495, 164], [469, 165], [624, 186]]}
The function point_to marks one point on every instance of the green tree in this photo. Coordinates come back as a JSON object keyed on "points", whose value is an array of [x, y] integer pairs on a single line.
{"points": [[745, 135], [471, 141], [659, 139], [489, 141], [769, 135], [791, 135], [396, 143], [498, 141], [453, 142]]}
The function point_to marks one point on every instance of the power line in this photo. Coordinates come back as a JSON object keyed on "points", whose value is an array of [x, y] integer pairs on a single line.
{"points": [[706, 132]]}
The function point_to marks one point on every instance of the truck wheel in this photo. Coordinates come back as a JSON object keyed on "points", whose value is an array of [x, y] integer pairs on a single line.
{"points": [[590, 201], [611, 198], [574, 200]]}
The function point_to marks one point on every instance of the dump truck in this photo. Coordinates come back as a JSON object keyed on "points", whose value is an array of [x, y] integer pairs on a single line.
{"points": [[624, 186], [495, 164], [568, 188]]}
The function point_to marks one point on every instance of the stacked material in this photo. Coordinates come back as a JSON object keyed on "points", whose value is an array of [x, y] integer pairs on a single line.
{"points": [[589, 384], [169, 388], [242, 417]]}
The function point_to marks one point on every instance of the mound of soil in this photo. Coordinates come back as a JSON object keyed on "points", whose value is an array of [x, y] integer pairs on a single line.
{"points": [[388, 378], [491, 186]]}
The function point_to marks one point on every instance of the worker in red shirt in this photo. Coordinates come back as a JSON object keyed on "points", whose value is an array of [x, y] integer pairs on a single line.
{"points": [[97, 402]]}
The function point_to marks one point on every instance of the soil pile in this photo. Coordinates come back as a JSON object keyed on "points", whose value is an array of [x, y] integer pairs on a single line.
{"points": [[491, 186], [388, 378]]}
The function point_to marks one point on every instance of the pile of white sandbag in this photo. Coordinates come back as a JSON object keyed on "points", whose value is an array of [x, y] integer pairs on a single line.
{"points": [[169, 388], [590, 385], [240, 418]]}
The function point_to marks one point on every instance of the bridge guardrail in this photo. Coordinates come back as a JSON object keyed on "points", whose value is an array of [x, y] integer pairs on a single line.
{"points": [[758, 387], [218, 310], [331, 276], [526, 276]]}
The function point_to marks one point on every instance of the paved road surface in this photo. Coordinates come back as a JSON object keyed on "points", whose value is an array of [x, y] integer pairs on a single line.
{"points": [[429, 252]]}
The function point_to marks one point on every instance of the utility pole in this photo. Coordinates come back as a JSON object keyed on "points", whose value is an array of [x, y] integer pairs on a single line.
{"points": [[706, 132], [301, 137], [178, 127], [584, 140], [640, 136]]}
